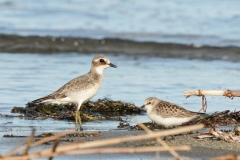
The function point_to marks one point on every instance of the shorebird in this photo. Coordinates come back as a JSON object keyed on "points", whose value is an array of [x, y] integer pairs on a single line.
{"points": [[80, 89], [166, 113]]}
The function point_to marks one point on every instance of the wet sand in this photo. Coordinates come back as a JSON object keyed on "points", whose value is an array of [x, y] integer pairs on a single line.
{"points": [[46, 45]]}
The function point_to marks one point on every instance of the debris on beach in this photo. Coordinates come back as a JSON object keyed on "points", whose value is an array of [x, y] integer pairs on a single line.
{"points": [[224, 135], [49, 134], [77, 134], [123, 125], [224, 118], [102, 109]]}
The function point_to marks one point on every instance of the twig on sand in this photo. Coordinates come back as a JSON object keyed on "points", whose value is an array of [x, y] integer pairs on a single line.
{"points": [[54, 147], [29, 142], [125, 150], [159, 140]]}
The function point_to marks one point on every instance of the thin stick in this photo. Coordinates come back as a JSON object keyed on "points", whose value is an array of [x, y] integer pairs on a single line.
{"points": [[159, 140], [47, 139], [227, 93], [29, 142], [124, 150], [54, 147], [44, 140], [112, 141], [204, 104]]}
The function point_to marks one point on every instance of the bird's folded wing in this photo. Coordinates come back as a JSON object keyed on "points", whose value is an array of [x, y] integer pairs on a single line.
{"points": [[74, 85]]}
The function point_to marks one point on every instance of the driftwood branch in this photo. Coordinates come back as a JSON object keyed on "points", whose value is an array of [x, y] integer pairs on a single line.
{"points": [[227, 93]]}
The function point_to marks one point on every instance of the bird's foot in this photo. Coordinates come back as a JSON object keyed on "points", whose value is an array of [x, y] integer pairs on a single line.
{"points": [[81, 128]]}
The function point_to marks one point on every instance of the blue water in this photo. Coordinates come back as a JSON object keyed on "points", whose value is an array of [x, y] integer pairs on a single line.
{"points": [[25, 77], [214, 22]]}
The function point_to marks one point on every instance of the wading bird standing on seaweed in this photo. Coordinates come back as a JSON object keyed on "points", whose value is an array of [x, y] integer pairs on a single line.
{"points": [[80, 89]]}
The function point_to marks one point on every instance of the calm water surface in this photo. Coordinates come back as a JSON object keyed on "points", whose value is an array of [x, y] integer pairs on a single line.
{"points": [[25, 77], [201, 22]]}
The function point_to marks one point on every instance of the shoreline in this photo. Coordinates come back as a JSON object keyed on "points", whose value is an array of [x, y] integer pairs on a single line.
{"points": [[50, 45]]}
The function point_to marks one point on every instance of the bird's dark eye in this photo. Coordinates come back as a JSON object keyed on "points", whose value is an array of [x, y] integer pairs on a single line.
{"points": [[102, 60], [149, 102]]}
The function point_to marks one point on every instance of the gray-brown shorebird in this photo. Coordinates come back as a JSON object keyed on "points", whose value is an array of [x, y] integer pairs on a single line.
{"points": [[80, 89]]}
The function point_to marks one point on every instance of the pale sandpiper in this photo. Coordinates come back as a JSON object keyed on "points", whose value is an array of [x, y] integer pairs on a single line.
{"points": [[80, 89], [166, 113]]}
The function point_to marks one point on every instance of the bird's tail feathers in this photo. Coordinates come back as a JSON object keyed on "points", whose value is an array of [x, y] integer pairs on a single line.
{"points": [[200, 114], [42, 100]]}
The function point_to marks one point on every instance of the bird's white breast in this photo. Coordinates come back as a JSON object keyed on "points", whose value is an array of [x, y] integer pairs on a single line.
{"points": [[83, 95], [76, 97], [170, 121]]}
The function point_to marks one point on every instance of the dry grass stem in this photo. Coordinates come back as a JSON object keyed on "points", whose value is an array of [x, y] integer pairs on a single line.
{"points": [[54, 147], [159, 140], [29, 142], [123, 150]]}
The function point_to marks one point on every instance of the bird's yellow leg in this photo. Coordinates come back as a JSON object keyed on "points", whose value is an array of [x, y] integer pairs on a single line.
{"points": [[80, 121], [76, 120]]}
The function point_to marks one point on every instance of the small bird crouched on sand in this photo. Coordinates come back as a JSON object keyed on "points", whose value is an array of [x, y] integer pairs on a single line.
{"points": [[168, 114], [80, 89]]}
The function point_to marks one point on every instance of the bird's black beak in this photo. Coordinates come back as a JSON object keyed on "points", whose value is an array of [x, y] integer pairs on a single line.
{"points": [[112, 65], [143, 106]]}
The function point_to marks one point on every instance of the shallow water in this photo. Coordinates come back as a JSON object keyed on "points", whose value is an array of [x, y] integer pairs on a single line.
{"points": [[25, 77], [201, 22]]}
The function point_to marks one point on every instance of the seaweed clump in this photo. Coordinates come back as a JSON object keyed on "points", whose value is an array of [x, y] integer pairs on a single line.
{"points": [[100, 109], [223, 118]]}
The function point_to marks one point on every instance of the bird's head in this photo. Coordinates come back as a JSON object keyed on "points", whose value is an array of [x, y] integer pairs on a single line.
{"points": [[99, 63], [150, 102]]}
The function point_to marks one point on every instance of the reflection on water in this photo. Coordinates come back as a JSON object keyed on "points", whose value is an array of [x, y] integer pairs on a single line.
{"points": [[25, 77]]}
